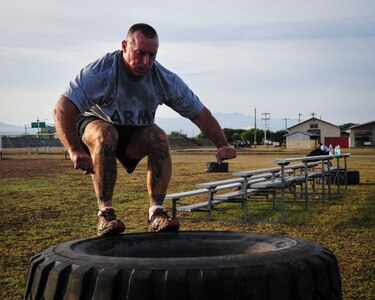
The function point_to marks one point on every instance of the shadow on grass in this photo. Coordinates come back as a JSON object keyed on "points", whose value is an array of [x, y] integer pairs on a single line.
{"points": [[258, 212], [364, 217]]}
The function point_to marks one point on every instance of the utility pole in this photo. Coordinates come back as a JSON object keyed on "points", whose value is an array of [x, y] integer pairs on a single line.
{"points": [[265, 118], [37, 121], [255, 126], [286, 124]]}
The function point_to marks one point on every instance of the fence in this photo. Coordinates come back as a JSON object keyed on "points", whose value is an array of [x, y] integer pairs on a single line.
{"points": [[32, 144]]}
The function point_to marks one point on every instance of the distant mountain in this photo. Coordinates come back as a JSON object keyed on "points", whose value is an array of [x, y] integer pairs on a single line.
{"points": [[7, 129], [235, 120], [226, 120], [185, 126]]}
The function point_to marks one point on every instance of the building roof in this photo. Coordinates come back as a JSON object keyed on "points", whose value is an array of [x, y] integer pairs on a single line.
{"points": [[363, 124], [309, 120], [302, 132]]}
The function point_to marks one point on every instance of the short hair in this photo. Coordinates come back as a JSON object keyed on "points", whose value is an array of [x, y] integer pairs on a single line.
{"points": [[146, 29]]}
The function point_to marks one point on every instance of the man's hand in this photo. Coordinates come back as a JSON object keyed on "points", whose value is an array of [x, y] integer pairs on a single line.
{"points": [[83, 161], [65, 115], [212, 130], [226, 152]]}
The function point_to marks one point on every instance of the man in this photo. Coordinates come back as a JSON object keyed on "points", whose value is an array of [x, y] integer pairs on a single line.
{"points": [[108, 112], [324, 149]]}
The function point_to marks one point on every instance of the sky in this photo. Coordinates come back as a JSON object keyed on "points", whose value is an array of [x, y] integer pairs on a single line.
{"points": [[290, 58]]}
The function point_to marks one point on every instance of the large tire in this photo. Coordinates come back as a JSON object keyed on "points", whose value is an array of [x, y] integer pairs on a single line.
{"points": [[185, 265]]}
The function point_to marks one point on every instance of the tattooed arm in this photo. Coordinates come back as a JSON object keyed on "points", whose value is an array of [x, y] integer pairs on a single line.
{"points": [[65, 115], [212, 130]]}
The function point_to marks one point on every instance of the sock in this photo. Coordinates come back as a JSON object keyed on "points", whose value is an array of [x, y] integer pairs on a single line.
{"points": [[153, 208], [103, 209]]}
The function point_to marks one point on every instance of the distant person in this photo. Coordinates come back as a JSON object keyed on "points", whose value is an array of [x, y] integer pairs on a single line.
{"points": [[324, 148], [108, 111], [317, 151]]}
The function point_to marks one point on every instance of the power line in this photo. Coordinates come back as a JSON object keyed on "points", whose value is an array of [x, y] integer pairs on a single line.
{"points": [[286, 123], [255, 126], [266, 118]]}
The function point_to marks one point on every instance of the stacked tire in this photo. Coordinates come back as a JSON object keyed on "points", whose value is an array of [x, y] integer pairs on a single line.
{"points": [[185, 265]]}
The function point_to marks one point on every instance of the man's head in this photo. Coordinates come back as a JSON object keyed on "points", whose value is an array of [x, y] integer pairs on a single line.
{"points": [[139, 49]]}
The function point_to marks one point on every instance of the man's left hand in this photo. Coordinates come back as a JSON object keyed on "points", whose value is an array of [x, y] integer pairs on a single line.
{"points": [[225, 152]]}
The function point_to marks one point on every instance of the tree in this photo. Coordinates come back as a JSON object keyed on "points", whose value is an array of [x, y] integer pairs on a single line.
{"points": [[347, 126], [246, 136], [228, 132], [201, 136], [278, 136], [236, 136], [177, 134]]}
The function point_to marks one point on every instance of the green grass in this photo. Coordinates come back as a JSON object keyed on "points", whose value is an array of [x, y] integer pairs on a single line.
{"points": [[47, 203]]}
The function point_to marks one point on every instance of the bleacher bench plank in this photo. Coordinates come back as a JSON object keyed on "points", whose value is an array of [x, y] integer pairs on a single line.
{"points": [[180, 195], [235, 194], [197, 206]]}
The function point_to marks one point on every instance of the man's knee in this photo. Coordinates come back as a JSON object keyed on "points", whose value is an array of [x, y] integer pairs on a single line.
{"points": [[99, 133], [155, 137], [148, 141]]}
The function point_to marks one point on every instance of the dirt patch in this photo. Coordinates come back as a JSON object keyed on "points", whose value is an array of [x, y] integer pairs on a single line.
{"points": [[26, 168]]}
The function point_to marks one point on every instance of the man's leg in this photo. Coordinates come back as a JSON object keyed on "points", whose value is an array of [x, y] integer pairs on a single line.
{"points": [[152, 141], [101, 138]]}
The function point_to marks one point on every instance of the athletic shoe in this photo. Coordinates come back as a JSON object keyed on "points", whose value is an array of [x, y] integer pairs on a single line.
{"points": [[161, 222], [107, 223]]}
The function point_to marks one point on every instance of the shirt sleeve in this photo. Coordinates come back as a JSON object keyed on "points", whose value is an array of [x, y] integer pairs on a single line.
{"points": [[182, 99], [85, 90]]}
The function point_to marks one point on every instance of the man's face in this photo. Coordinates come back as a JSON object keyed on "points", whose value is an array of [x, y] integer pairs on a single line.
{"points": [[139, 54]]}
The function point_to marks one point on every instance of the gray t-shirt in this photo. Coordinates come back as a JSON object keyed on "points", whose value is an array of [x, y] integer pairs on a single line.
{"points": [[104, 89]]}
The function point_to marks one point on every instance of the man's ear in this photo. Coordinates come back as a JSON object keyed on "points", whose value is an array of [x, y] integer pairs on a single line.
{"points": [[124, 45]]}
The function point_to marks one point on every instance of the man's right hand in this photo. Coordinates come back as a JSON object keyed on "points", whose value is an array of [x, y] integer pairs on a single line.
{"points": [[83, 161], [65, 115]]}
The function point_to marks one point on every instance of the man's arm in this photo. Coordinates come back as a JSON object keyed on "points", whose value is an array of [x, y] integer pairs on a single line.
{"points": [[212, 130], [65, 115]]}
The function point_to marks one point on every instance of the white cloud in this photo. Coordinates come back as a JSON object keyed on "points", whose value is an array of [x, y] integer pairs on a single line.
{"points": [[25, 105], [289, 56]]}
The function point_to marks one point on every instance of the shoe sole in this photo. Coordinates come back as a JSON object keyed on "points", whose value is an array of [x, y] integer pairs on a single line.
{"points": [[118, 228], [166, 228]]}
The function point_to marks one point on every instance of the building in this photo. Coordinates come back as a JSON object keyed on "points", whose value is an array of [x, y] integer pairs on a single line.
{"points": [[301, 140], [307, 135], [363, 135]]}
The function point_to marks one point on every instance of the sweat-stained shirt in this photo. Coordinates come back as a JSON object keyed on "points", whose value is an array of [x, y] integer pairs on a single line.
{"points": [[103, 89]]}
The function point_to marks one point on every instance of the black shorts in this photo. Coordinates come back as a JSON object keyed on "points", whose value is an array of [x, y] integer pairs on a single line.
{"points": [[125, 133]]}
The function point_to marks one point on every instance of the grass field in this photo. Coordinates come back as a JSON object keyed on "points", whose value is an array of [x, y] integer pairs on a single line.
{"points": [[45, 202]]}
